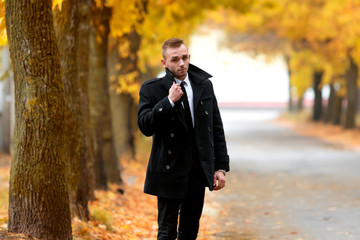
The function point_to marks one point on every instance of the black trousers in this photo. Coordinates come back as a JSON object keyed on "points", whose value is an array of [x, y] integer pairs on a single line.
{"points": [[189, 209]]}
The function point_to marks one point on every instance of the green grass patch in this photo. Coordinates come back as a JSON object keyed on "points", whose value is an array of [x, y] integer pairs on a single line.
{"points": [[102, 217]]}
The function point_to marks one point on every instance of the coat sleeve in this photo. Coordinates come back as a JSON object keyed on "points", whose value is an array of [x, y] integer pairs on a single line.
{"points": [[152, 113], [220, 149]]}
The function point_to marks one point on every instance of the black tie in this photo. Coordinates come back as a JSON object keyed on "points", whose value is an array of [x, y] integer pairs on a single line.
{"points": [[186, 105]]}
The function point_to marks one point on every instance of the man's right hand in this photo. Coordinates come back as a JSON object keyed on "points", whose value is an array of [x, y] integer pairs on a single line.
{"points": [[175, 92]]}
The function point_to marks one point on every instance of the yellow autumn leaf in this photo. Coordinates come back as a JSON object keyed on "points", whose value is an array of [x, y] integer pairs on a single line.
{"points": [[57, 3]]}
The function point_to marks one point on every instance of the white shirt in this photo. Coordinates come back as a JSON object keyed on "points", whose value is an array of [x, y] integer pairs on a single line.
{"points": [[189, 93]]}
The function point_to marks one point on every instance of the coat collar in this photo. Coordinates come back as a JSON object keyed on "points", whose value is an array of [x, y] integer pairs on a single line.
{"points": [[196, 74]]}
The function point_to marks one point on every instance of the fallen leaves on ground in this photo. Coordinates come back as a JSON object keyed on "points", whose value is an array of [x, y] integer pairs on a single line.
{"points": [[132, 215], [349, 138], [128, 216], [4, 235]]}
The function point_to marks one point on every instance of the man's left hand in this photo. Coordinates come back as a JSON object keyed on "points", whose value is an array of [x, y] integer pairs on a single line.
{"points": [[219, 180]]}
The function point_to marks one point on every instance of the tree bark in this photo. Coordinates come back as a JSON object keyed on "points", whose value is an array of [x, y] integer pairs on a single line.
{"points": [[300, 104], [351, 76], [128, 65], [317, 110], [99, 165], [83, 51], [122, 103], [125, 64], [66, 26], [38, 196], [106, 159], [336, 116], [123, 116], [131, 121], [7, 114], [291, 107], [329, 112]]}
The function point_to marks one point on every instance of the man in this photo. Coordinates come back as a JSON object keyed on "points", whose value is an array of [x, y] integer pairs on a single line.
{"points": [[189, 150]]}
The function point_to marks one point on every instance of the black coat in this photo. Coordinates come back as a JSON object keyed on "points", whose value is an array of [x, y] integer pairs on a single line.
{"points": [[169, 163]]}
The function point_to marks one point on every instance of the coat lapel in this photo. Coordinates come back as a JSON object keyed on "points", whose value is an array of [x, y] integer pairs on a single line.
{"points": [[196, 76], [197, 92], [168, 80]]}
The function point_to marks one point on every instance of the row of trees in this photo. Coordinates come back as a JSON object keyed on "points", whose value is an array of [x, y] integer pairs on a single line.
{"points": [[63, 146], [69, 128], [320, 40]]}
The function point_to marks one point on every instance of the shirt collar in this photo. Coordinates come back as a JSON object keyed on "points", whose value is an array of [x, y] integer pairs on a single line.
{"points": [[186, 80]]}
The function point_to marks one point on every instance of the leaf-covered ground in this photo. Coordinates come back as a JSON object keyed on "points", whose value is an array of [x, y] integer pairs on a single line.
{"points": [[132, 215], [302, 124], [127, 216]]}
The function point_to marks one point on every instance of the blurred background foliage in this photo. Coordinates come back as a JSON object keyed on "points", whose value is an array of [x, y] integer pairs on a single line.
{"points": [[313, 35]]}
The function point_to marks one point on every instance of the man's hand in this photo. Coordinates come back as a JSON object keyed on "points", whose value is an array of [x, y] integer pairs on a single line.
{"points": [[175, 92], [219, 180]]}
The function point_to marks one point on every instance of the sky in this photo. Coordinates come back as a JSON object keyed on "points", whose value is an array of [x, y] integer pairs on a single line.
{"points": [[237, 77]]}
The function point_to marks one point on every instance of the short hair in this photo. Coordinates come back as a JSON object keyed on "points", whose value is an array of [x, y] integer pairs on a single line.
{"points": [[171, 43]]}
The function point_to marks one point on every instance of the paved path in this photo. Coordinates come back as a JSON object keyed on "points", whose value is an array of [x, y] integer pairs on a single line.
{"points": [[286, 186]]}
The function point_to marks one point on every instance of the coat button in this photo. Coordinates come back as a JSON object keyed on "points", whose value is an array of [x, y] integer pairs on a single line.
{"points": [[167, 167], [172, 135], [206, 112], [201, 102], [160, 109], [169, 152], [209, 129]]}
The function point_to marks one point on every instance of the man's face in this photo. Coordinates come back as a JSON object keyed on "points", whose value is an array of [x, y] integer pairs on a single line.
{"points": [[177, 61]]}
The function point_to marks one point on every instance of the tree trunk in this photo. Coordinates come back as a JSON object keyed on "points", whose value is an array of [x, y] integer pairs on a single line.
{"points": [[124, 65], [317, 111], [83, 35], [106, 159], [290, 102], [351, 76], [331, 104], [131, 121], [66, 25], [7, 112], [336, 116], [300, 104], [291, 107], [116, 103], [122, 103], [99, 165], [358, 101], [129, 65], [38, 196], [123, 116]]}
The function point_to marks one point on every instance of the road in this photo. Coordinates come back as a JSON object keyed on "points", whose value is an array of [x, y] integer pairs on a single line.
{"points": [[285, 186]]}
